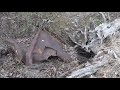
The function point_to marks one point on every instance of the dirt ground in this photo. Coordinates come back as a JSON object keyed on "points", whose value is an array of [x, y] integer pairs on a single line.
{"points": [[22, 27]]}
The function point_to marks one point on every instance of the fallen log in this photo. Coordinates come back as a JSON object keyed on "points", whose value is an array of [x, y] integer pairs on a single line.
{"points": [[102, 31], [87, 70]]}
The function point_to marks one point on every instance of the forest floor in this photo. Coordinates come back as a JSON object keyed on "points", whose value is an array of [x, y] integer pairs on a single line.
{"points": [[22, 27]]}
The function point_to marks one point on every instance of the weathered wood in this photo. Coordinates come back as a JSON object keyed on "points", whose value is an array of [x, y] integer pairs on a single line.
{"points": [[87, 70]]}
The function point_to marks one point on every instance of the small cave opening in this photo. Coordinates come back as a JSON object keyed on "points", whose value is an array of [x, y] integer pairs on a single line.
{"points": [[83, 55]]}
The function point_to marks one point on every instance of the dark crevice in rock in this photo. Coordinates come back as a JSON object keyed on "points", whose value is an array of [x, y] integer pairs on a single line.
{"points": [[83, 55]]}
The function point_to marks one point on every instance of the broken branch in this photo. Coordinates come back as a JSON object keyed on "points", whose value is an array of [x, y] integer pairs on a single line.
{"points": [[87, 70]]}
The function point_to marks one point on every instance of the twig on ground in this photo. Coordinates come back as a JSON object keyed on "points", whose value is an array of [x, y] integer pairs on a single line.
{"points": [[103, 15]]}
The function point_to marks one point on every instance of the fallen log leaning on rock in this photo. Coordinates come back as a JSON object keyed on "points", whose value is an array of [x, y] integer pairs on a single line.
{"points": [[42, 47]]}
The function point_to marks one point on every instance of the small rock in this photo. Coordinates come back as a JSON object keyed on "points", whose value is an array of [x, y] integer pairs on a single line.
{"points": [[10, 74], [2, 70]]}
